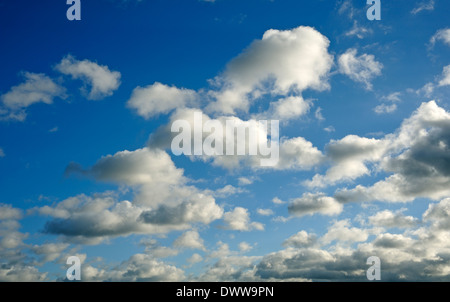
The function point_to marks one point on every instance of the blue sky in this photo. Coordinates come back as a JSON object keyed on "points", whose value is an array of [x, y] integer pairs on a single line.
{"points": [[87, 169]]}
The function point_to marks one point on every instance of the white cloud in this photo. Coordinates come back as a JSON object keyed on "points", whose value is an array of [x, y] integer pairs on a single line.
{"points": [[390, 219], [384, 108], [158, 99], [343, 232], [245, 181], [426, 5], [49, 251], [163, 202], [441, 35], [245, 247], [445, 81], [190, 240], [265, 212], [144, 268], [292, 60], [239, 220], [37, 88], [276, 200], [417, 161], [155, 250], [103, 82], [361, 68], [286, 109], [294, 154], [300, 240], [349, 156], [195, 258], [2, 153], [310, 204]]}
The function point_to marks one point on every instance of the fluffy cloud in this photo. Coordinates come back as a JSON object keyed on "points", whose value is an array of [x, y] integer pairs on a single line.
{"points": [[310, 204], [142, 268], [361, 68], [15, 264], [103, 82], [158, 99], [190, 240], [294, 154], [349, 156], [239, 220], [49, 251], [441, 35], [300, 240], [439, 214], [175, 207], [390, 219], [419, 254], [417, 159], [342, 232], [37, 88], [286, 109], [292, 60]]}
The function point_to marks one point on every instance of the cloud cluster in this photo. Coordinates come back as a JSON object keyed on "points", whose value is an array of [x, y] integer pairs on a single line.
{"points": [[163, 201], [40, 88]]}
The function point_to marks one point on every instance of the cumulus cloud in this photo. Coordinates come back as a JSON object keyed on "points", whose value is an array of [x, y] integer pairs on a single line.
{"points": [[190, 240], [341, 231], [291, 60], [390, 219], [163, 201], [312, 203], [102, 81], [418, 254], [239, 220], [362, 69], [417, 160], [349, 157], [158, 99], [294, 153], [37, 88], [143, 268], [441, 35], [286, 109], [195, 258], [300, 240], [15, 264]]}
